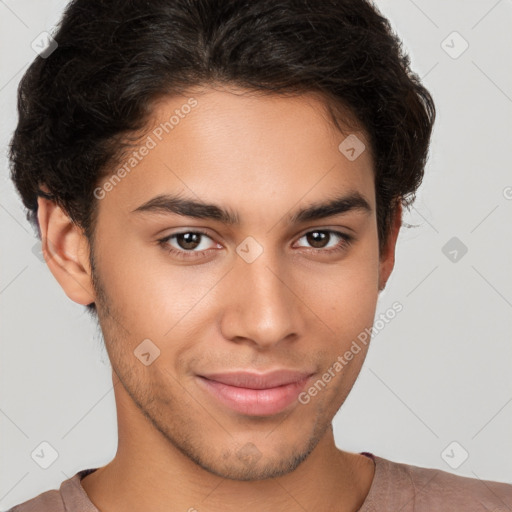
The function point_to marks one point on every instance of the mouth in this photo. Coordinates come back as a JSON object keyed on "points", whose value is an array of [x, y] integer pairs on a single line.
{"points": [[255, 394]]}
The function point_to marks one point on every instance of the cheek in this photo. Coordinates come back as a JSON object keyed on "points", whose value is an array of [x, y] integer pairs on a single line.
{"points": [[150, 291], [352, 301], [347, 297]]}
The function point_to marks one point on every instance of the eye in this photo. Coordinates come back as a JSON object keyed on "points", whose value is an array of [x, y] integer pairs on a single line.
{"points": [[187, 244], [194, 244], [322, 240]]}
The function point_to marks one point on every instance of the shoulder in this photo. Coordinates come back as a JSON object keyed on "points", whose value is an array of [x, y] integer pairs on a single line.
{"points": [[46, 501], [421, 489], [68, 498]]}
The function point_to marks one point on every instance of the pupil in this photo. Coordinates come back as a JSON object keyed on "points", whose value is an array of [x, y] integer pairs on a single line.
{"points": [[317, 239], [191, 240]]}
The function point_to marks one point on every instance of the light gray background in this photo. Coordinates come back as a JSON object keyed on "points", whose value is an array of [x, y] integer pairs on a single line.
{"points": [[439, 372]]}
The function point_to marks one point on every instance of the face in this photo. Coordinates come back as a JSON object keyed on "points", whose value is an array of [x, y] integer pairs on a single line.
{"points": [[180, 297]]}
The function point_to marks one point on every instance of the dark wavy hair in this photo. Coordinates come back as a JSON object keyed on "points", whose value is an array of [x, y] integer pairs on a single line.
{"points": [[80, 106]]}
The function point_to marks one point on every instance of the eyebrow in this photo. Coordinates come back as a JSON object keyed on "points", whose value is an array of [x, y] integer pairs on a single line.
{"points": [[171, 204]]}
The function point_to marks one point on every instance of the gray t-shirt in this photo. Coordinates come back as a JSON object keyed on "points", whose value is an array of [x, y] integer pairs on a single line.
{"points": [[395, 487]]}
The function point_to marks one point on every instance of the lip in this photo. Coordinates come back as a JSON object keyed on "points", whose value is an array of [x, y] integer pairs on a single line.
{"points": [[255, 394]]}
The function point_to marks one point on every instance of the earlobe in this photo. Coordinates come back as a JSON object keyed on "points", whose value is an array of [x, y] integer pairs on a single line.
{"points": [[65, 250], [387, 260]]}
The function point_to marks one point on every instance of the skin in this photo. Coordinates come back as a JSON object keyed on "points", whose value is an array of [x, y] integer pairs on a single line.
{"points": [[294, 307]]}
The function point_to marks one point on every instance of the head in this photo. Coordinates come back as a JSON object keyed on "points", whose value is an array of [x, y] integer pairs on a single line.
{"points": [[222, 184]]}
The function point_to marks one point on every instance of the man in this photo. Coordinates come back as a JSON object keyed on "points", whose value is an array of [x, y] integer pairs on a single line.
{"points": [[221, 182]]}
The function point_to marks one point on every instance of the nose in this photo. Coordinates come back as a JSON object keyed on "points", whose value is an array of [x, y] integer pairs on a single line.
{"points": [[263, 307]]}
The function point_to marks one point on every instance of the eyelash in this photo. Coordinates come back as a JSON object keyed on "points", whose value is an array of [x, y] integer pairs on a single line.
{"points": [[163, 242]]}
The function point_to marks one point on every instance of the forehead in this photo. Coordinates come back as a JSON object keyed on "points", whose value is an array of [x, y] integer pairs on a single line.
{"points": [[252, 110], [234, 146]]}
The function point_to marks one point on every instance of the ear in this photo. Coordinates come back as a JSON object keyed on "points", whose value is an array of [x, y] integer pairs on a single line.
{"points": [[387, 257], [66, 251]]}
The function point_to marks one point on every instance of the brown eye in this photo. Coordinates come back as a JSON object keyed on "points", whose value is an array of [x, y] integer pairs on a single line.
{"points": [[189, 240], [325, 240], [188, 244], [318, 239]]}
